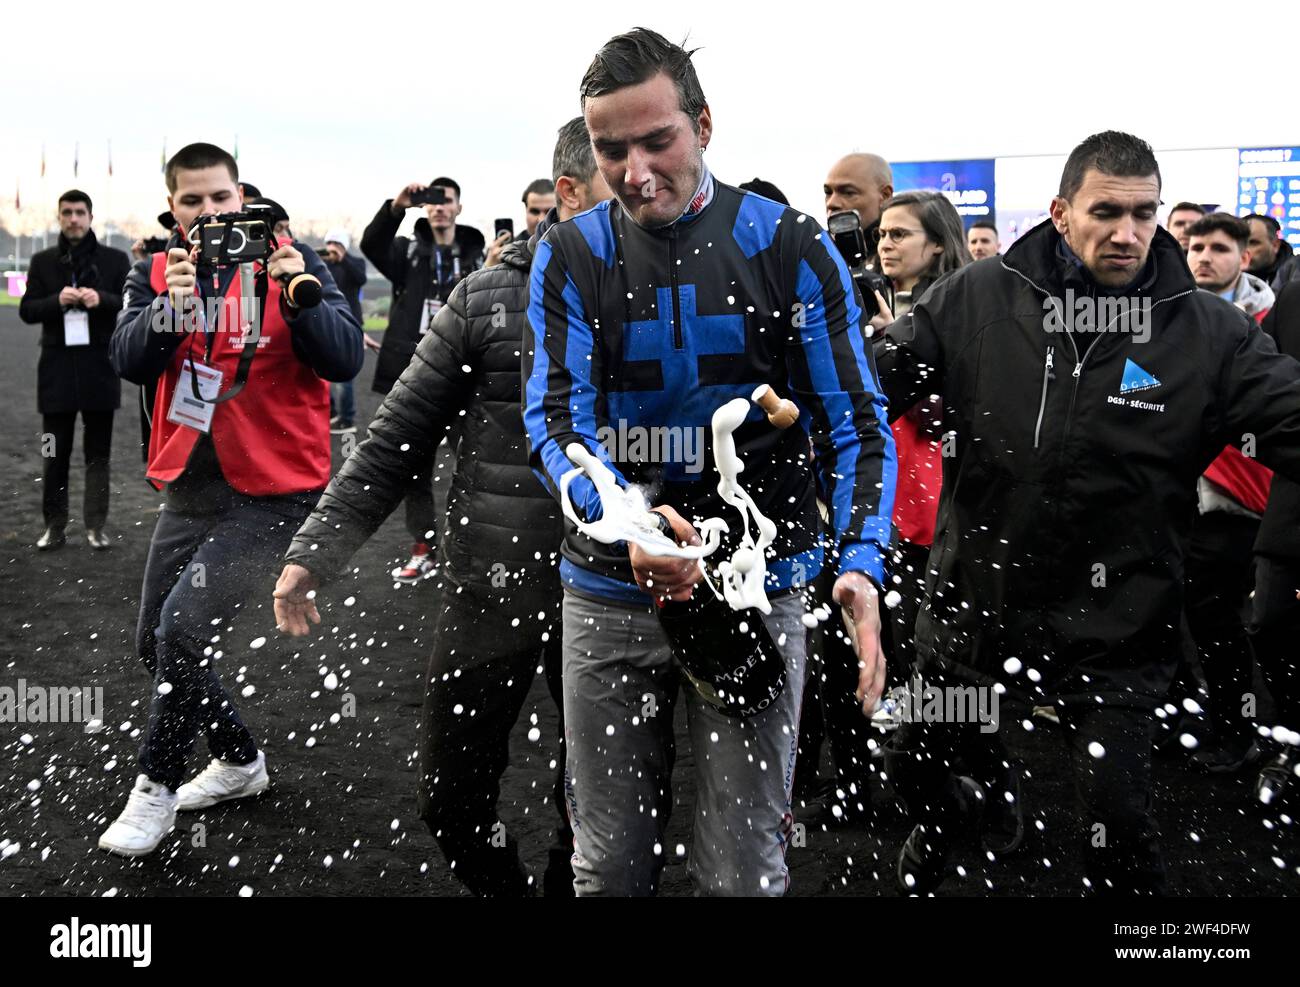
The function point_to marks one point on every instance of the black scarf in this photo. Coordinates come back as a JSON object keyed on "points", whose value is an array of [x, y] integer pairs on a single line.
{"points": [[78, 259]]}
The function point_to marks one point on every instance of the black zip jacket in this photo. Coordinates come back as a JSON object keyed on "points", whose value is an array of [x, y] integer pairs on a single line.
{"points": [[75, 378], [418, 269], [505, 529], [1279, 531], [655, 329], [1057, 564]]}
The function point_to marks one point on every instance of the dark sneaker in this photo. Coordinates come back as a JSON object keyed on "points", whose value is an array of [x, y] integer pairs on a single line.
{"points": [[339, 426], [557, 881], [1169, 742], [1003, 828], [1226, 757], [923, 859], [833, 804]]}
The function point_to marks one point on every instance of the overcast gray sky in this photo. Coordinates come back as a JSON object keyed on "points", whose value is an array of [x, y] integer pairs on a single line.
{"points": [[337, 106]]}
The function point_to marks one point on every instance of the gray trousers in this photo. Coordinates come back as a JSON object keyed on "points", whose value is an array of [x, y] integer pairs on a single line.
{"points": [[620, 686]]}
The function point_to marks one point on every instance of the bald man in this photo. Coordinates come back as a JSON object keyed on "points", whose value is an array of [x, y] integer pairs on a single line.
{"points": [[860, 182]]}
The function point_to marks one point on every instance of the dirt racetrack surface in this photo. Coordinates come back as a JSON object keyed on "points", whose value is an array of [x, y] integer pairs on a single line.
{"points": [[340, 817]]}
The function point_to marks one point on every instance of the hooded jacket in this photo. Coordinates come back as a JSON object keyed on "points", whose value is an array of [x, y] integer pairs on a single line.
{"points": [[506, 529], [75, 378], [1057, 565], [640, 335], [418, 270], [1252, 295]]}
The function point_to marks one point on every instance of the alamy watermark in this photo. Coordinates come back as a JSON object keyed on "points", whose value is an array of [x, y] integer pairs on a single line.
{"points": [[236, 315], [56, 704], [1086, 313], [917, 702], [677, 444], [76, 940]]}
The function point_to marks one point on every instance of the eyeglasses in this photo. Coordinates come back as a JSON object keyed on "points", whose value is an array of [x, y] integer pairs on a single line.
{"points": [[896, 235]]}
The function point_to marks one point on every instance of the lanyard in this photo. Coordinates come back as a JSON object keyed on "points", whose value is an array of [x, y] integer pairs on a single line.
{"points": [[437, 267], [250, 342]]}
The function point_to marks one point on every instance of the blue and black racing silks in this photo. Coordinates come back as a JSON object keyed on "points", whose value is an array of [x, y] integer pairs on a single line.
{"points": [[639, 335]]}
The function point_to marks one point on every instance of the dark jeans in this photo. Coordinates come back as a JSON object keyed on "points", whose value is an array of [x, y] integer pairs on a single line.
{"points": [[1117, 826], [97, 445], [906, 575], [343, 401], [1219, 569], [201, 569], [479, 675], [1274, 630]]}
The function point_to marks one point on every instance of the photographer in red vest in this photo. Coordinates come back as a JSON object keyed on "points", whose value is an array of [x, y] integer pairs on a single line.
{"points": [[240, 441]]}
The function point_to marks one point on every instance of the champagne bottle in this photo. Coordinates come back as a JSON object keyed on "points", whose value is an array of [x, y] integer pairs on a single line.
{"points": [[728, 655]]}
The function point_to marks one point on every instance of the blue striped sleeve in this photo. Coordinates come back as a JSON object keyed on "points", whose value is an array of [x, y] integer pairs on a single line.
{"points": [[560, 400], [833, 378]]}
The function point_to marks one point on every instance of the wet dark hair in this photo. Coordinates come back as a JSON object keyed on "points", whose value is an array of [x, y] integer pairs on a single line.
{"points": [[1111, 153], [640, 54], [984, 224]]}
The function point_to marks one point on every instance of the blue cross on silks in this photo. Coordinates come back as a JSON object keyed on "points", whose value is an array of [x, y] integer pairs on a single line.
{"points": [[684, 401]]}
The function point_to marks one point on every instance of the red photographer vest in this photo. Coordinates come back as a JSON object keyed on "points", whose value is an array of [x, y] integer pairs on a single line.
{"points": [[273, 438]]}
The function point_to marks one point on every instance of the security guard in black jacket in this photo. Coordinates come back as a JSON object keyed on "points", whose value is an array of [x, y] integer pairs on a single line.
{"points": [[74, 290], [1087, 384]]}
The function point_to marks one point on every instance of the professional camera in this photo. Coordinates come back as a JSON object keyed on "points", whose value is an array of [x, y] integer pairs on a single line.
{"points": [[234, 237], [846, 233]]}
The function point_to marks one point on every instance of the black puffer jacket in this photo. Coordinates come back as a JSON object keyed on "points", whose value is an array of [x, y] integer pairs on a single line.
{"points": [[504, 530], [1279, 532], [75, 378], [418, 269], [1057, 565]]}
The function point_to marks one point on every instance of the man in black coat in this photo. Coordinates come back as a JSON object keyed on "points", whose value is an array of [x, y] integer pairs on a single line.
{"points": [[74, 290], [501, 602], [1087, 383], [423, 269]]}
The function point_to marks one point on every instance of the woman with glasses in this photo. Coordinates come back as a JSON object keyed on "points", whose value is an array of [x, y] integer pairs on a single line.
{"points": [[920, 240]]}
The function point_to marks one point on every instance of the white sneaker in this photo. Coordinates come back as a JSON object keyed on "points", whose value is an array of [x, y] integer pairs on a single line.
{"points": [[221, 781], [149, 815]]}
